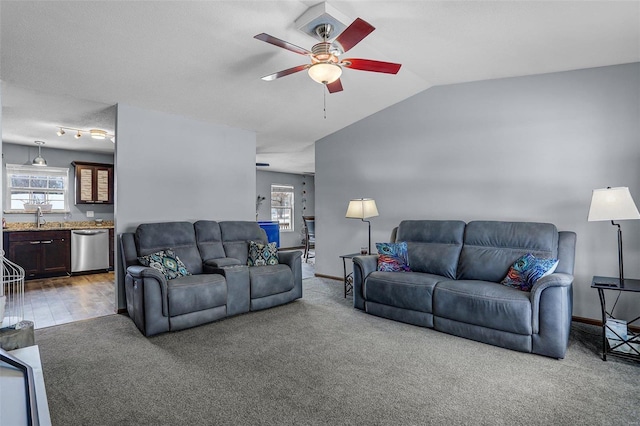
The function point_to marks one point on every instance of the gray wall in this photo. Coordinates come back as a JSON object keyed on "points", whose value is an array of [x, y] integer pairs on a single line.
{"points": [[175, 168], [525, 149], [22, 154], [301, 183], [1, 155]]}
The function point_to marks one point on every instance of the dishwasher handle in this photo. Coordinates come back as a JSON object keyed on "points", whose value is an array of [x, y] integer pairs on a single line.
{"points": [[89, 231]]}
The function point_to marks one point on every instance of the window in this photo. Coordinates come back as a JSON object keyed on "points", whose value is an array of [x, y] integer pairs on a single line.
{"points": [[29, 187], [282, 206]]}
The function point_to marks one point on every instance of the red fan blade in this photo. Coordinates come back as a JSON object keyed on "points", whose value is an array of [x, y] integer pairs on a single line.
{"points": [[354, 34], [281, 43], [334, 87], [371, 65], [285, 72]]}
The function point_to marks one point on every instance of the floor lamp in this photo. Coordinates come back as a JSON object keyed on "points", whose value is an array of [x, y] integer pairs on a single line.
{"points": [[614, 204], [362, 208]]}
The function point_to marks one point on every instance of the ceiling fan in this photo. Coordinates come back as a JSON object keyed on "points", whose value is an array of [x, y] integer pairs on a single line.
{"points": [[326, 66]]}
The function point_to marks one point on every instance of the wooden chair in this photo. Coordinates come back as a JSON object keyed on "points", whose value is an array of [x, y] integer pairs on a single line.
{"points": [[309, 235]]}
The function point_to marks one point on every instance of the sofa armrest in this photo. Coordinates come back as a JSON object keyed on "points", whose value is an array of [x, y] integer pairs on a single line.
{"points": [[145, 276], [558, 281], [147, 299], [238, 286], [289, 257], [293, 259], [362, 267]]}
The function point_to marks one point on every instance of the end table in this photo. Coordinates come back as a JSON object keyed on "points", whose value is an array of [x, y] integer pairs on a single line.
{"points": [[348, 278], [629, 346]]}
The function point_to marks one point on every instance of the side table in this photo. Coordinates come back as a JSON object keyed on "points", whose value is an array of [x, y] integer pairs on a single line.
{"points": [[629, 346], [348, 278]]}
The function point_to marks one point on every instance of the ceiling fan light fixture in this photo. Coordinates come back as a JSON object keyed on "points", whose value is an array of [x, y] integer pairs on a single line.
{"points": [[325, 72], [98, 134]]}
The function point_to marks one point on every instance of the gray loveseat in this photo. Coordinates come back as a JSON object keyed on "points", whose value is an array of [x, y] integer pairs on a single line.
{"points": [[454, 286], [220, 285]]}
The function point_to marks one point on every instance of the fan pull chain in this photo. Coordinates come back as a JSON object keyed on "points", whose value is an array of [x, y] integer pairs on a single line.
{"points": [[324, 100]]}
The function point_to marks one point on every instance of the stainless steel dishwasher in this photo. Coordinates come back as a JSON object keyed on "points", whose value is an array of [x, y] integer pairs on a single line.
{"points": [[89, 250]]}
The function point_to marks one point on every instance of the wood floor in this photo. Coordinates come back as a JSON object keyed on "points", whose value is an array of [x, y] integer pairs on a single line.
{"points": [[55, 301]]}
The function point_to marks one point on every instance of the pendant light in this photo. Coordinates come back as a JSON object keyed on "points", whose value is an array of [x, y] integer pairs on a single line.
{"points": [[39, 160]]}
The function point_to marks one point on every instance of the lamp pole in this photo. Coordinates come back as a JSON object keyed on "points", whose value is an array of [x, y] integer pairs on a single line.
{"points": [[369, 223], [620, 262]]}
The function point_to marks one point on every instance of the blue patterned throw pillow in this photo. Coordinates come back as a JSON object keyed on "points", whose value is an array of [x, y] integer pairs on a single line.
{"points": [[262, 254], [528, 269], [167, 262], [393, 257]]}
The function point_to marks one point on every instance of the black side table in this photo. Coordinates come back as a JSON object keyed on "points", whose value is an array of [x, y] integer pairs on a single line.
{"points": [[348, 278], [631, 351]]}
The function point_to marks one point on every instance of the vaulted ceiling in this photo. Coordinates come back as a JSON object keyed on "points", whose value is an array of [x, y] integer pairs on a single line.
{"points": [[66, 63]]}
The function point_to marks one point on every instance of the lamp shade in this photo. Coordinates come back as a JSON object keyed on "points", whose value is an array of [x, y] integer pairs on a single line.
{"points": [[362, 208], [612, 204]]}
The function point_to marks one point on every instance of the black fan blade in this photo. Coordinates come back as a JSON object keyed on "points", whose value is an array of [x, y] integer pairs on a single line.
{"points": [[354, 34], [334, 87], [371, 65], [281, 43], [285, 72]]}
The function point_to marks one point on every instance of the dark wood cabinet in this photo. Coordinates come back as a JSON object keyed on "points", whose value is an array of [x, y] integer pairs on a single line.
{"points": [[40, 253], [111, 248], [94, 183]]}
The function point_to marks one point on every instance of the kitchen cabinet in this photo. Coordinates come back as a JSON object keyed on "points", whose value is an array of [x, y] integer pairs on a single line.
{"points": [[40, 253], [94, 183]]}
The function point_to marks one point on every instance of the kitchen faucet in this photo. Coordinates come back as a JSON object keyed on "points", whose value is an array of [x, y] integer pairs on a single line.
{"points": [[39, 218]]}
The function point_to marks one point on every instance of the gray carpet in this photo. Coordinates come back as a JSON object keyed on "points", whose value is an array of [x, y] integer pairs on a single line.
{"points": [[319, 361]]}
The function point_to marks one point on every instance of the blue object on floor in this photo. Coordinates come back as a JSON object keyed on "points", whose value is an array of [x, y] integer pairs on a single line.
{"points": [[273, 231]]}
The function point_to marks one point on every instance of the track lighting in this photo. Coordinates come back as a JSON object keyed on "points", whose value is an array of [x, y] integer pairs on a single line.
{"points": [[98, 134], [94, 133]]}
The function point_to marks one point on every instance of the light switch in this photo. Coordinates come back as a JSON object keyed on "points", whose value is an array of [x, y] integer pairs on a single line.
{"points": [[89, 213]]}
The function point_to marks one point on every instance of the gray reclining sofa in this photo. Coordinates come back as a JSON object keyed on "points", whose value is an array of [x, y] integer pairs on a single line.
{"points": [[454, 286], [220, 285]]}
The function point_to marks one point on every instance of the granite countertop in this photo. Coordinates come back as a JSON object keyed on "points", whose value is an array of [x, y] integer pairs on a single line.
{"points": [[52, 226]]}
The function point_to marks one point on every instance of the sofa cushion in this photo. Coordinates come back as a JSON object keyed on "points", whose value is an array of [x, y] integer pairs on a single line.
{"points": [[179, 236], [528, 269], [262, 254], [196, 293], [433, 245], [410, 290], [393, 257], [167, 262], [269, 280], [209, 239], [490, 248], [483, 303]]}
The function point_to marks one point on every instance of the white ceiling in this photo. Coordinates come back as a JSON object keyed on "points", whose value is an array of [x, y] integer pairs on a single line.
{"points": [[67, 63]]}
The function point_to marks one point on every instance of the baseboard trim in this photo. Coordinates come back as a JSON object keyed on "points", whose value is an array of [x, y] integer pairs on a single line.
{"points": [[589, 321], [598, 323], [330, 277], [291, 248]]}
